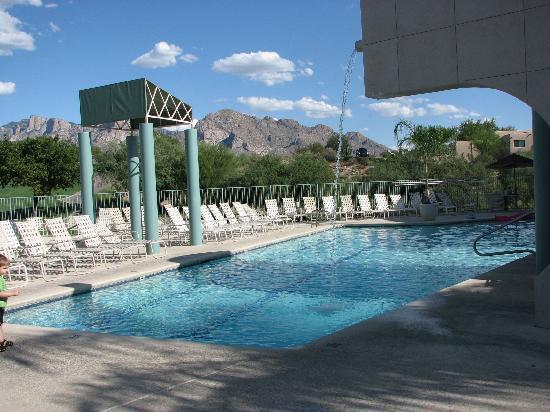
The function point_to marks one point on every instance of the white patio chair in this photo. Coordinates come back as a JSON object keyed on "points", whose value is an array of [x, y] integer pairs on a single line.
{"points": [[236, 228], [272, 212], [177, 229], [347, 209], [63, 242], [446, 204], [399, 205], [329, 207], [365, 206], [34, 247], [382, 206], [289, 207], [211, 227], [416, 200], [89, 236]]}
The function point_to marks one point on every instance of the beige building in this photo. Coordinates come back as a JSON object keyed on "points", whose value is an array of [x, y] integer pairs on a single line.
{"points": [[517, 140], [466, 149]]}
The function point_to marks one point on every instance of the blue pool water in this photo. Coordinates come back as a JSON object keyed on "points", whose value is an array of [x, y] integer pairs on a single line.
{"points": [[287, 294]]}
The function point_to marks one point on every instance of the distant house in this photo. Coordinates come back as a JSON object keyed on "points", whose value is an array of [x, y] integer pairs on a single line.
{"points": [[466, 149], [517, 140]]}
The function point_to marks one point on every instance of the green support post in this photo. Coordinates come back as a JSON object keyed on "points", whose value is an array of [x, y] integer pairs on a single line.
{"points": [[132, 149], [147, 143], [86, 174], [541, 138], [193, 186]]}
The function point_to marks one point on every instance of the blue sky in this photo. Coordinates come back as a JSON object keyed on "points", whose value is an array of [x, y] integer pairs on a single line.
{"points": [[284, 59]]}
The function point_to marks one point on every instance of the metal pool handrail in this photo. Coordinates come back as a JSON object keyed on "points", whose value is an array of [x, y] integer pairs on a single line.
{"points": [[506, 252]]}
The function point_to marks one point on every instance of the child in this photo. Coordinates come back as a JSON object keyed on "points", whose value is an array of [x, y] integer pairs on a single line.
{"points": [[4, 295]]}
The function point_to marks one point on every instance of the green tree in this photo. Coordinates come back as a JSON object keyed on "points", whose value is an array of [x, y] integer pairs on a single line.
{"points": [[333, 143], [9, 161], [429, 142], [47, 164], [307, 167], [110, 163], [218, 165], [482, 133], [261, 170], [170, 163]]}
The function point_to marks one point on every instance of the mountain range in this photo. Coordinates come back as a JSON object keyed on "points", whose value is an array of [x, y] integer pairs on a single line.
{"points": [[240, 132]]}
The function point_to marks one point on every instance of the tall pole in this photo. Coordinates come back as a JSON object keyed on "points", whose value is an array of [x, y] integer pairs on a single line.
{"points": [[147, 143], [541, 132], [541, 137], [86, 174], [193, 186], [132, 149]]}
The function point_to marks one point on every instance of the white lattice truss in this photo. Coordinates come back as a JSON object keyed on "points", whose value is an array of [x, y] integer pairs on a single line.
{"points": [[162, 105]]}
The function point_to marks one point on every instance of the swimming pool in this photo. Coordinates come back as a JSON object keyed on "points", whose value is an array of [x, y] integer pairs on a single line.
{"points": [[287, 294]]}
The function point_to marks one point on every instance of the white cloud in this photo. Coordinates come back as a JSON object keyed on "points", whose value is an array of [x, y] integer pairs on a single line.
{"points": [[365, 129], [439, 109], [189, 58], [307, 72], [54, 27], [324, 97], [51, 5], [312, 108], [161, 55], [396, 109], [417, 107], [11, 36], [6, 4], [266, 67], [266, 104], [318, 109], [7, 88]]}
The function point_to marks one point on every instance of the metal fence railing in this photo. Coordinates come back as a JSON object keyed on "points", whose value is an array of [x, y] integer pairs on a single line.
{"points": [[461, 192]]}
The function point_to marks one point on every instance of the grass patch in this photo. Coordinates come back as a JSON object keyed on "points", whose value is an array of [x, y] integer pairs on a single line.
{"points": [[23, 191]]}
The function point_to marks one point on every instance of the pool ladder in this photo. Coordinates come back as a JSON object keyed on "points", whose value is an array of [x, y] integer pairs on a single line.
{"points": [[506, 252]]}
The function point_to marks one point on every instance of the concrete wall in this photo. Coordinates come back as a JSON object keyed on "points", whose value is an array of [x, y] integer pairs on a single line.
{"points": [[418, 46], [516, 135]]}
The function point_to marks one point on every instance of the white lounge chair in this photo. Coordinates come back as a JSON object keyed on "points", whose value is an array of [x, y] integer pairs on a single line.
{"points": [[347, 209], [91, 238], [236, 228], [329, 207], [365, 206], [34, 247], [446, 204], [245, 214], [382, 205], [289, 207], [177, 229], [399, 205], [416, 200], [272, 212]]}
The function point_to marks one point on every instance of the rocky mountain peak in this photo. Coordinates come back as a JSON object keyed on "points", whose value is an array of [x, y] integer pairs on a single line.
{"points": [[240, 132]]}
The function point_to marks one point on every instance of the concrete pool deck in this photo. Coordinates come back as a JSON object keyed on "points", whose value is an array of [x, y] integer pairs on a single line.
{"points": [[470, 346]]}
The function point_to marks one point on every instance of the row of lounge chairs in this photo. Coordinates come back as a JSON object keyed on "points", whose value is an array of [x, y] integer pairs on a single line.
{"points": [[395, 205], [51, 248]]}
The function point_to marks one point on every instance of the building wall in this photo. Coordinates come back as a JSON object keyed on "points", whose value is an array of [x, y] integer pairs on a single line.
{"points": [[412, 47], [518, 141], [466, 149]]}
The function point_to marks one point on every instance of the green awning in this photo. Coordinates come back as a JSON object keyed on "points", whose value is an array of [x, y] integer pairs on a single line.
{"points": [[131, 103]]}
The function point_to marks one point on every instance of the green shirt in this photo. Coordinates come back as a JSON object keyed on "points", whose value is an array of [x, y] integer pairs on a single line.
{"points": [[3, 301]]}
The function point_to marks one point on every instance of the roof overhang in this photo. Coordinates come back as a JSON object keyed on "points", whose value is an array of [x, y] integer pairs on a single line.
{"points": [[126, 104]]}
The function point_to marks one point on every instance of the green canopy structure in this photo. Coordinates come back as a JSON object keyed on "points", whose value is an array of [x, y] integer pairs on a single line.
{"points": [[129, 103], [139, 105]]}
